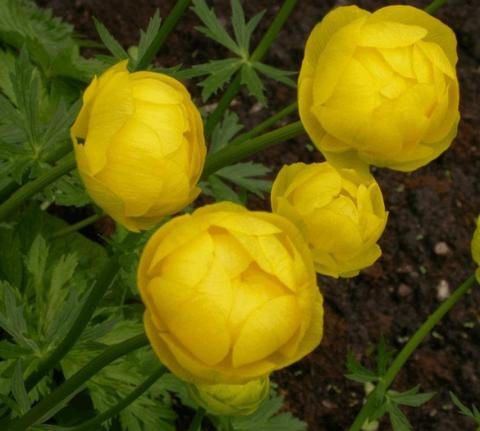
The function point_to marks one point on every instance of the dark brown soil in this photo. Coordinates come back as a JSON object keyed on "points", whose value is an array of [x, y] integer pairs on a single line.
{"points": [[435, 205]]}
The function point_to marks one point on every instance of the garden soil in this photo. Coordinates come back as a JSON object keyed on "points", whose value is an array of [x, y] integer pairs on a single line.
{"points": [[426, 246]]}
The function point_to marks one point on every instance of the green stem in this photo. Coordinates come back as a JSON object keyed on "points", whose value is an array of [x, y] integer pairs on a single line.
{"points": [[196, 424], [77, 380], [434, 6], [77, 226], [94, 423], [165, 29], [234, 153], [33, 187], [97, 291], [406, 352], [266, 124], [257, 55]]}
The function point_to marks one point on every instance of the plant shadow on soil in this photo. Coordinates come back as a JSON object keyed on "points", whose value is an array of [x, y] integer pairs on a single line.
{"points": [[426, 246]]}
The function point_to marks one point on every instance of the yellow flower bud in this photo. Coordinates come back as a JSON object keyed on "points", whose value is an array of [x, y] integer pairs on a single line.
{"points": [[230, 294], [139, 145], [231, 400], [476, 248], [340, 212], [380, 86]]}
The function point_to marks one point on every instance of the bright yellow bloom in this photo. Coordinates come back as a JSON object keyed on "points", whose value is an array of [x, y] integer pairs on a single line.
{"points": [[340, 212], [476, 248], [380, 86], [139, 145], [231, 400], [230, 294]]}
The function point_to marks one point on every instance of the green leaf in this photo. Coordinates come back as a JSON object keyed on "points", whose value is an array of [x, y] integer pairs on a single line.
{"points": [[357, 372], [221, 192], [411, 397], [110, 42], [220, 72], [68, 191], [7, 67], [250, 28], [253, 83], [224, 131], [18, 388], [11, 351], [266, 418], [36, 263], [239, 26], [473, 413], [275, 73], [147, 38], [213, 27], [243, 174], [398, 419]]}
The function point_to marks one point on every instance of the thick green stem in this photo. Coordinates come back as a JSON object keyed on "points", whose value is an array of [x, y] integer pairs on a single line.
{"points": [[94, 423], [407, 351], [196, 424], [257, 55], [35, 186], [97, 291], [165, 29], [266, 124], [77, 226], [234, 153], [68, 387], [435, 5]]}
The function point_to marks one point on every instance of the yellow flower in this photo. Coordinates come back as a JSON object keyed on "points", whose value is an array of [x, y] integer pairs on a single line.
{"points": [[340, 212], [139, 145], [230, 295], [231, 400], [380, 86], [476, 248]]}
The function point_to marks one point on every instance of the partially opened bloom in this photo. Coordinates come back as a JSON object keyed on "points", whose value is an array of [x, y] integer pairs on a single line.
{"points": [[476, 248], [340, 212], [139, 145], [230, 295], [381, 87], [231, 400]]}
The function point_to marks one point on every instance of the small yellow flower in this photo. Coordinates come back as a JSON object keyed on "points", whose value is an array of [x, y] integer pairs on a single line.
{"points": [[380, 86], [230, 295], [476, 248], [340, 212], [139, 145], [231, 400]]}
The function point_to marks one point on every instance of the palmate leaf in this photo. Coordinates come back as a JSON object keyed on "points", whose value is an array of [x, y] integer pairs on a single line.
{"points": [[219, 71], [397, 418], [254, 84], [275, 73], [266, 418], [213, 27], [357, 372], [411, 397], [472, 413], [224, 131], [243, 174], [109, 41], [221, 191]]}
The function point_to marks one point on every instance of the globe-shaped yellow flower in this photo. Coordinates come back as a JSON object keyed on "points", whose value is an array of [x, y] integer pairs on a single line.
{"points": [[231, 400], [139, 145], [476, 248], [381, 87], [230, 295], [340, 212]]}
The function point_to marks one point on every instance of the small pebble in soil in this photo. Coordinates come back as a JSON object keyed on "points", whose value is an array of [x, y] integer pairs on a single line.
{"points": [[441, 248], [443, 290], [404, 290]]}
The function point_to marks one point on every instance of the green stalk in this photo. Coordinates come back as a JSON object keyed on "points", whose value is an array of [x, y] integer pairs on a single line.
{"points": [[94, 423], [406, 352], [234, 153], [165, 29], [257, 55], [69, 386], [104, 281], [33, 187], [266, 124], [434, 6], [77, 226], [196, 424]]}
